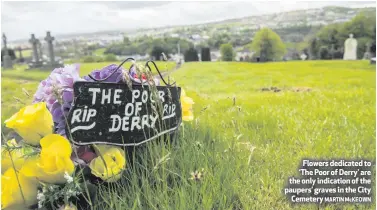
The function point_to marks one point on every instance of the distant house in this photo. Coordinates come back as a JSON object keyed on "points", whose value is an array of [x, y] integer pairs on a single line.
{"points": [[331, 13], [317, 23], [215, 55], [241, 55], [174, 35], [195, 37]]}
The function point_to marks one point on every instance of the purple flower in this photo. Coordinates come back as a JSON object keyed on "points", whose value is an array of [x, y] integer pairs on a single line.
{"points": [[57, 92], [117, 77]]}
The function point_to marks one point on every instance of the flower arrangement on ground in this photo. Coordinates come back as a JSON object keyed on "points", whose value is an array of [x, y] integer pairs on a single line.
{"points": [[43, 169]]}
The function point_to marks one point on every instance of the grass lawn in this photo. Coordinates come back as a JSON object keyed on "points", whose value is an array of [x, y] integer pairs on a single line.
{"points": [[246, 141], [20, 72], [26, 53]]}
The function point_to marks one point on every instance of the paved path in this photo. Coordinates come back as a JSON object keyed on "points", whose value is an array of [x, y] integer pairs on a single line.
{"points": [[166, 73]]}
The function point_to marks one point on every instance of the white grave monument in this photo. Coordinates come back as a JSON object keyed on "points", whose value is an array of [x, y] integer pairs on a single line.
{"points": [[350, 48], [303, 56]]}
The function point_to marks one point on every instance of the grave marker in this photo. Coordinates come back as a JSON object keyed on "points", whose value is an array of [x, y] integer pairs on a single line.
{"points": [[303, 56], [50, 47], [350, 48], [6, 58], [367, 54], [110, 113], [34, 43]]}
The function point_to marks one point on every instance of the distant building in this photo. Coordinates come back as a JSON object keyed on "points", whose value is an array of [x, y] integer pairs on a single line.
{"points": [[317, 23], [195, 37], [215, 55], [351, 12], [243, 54]]}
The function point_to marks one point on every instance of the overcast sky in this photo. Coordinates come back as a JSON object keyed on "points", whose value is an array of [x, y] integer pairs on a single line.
{"points": [[20, 19]]}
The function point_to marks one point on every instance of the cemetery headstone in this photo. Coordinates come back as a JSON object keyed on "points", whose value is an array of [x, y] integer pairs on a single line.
{"points": [[50, 47], [7, 61], [303, 56], [367, 54], [121, 115], [205, 54], [191, 55], [37, 54], [350, 48], [34, 44]]}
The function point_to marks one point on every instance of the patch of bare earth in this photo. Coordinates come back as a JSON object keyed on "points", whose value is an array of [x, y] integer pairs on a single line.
{"points": [[293, 89]]}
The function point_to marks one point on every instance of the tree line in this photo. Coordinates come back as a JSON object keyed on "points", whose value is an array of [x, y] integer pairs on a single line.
{"points": [[149, 45], [328, 43]]}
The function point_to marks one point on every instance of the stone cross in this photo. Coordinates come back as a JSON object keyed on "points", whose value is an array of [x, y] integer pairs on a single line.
{"points": [[49, 40], [367, 54], [303, 57], [34, 43], [5, 45], [7, 61]]}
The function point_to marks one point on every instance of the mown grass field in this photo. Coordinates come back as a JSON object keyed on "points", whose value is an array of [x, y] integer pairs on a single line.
{"points": [[246, 141]]}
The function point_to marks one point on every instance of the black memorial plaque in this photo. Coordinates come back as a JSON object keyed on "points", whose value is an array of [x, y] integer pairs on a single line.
{"points": [[110, 113]]}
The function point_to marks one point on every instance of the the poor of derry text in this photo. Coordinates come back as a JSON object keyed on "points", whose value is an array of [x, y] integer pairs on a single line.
{"points": [[132, 117]]}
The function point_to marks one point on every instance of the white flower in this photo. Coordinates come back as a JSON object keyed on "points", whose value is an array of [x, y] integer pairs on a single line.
{"points": [[41, 198], [70, 193], [68, 177], [40, 204], [51, 188]]}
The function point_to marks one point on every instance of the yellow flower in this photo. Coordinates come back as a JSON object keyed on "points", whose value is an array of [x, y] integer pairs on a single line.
{"points": [[109, 164], [68, 207], [53, 162], [15, 155], [12, 195], [186, 102], [32, 122], [56, 145], [102, 148]]}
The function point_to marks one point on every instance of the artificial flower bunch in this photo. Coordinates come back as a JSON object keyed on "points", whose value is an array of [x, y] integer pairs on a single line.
{"points": [[44, 167]]}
